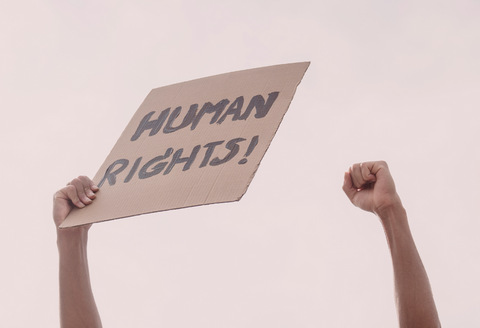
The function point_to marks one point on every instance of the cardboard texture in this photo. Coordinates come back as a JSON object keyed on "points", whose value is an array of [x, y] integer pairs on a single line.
{"points": [[192, 143]]}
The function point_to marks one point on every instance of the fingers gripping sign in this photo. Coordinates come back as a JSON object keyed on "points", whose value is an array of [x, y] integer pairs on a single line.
{"points": [[79, 192], [370, 186]]}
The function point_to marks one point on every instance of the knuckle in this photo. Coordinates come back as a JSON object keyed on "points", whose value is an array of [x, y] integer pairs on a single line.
{"points": [[78, 202], [88, 191], [82, 178]]}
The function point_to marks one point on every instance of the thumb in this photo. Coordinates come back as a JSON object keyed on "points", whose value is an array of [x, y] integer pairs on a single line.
{"points": [[348, 187]]}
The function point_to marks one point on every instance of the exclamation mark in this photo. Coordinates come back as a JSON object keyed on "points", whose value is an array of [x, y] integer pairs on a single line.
{"points": [[251, 147]]}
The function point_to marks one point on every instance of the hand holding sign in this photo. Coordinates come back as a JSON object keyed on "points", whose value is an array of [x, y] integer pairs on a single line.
{"points": [[78, 193]]}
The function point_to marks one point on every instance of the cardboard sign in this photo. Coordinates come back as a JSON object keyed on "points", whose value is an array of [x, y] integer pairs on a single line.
{"points": [[192, 143]]}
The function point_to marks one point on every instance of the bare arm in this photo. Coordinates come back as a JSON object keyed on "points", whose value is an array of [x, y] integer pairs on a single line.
{"points": [[370, 187], [77, 305]]}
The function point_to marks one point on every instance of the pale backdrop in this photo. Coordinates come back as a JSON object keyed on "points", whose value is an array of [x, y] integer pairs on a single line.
{"points": [[398, 81]]}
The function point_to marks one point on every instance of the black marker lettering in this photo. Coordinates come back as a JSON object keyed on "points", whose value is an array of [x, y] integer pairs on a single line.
{"points": [[111, 176], [155, 125], [186, 120], [251, 147], [210, 147], [233, 147], [210, 108], [261, 107], [187, 160], [234, 109], [143, 174], [133, 170]]}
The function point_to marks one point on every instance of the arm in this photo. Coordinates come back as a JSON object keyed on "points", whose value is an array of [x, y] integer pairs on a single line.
{"points": [[370, 187], [77, 305]]}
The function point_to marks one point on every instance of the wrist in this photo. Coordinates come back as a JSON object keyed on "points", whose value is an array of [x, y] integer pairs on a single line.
{"points": [[395, 225], [71, 237], [391, 210]]}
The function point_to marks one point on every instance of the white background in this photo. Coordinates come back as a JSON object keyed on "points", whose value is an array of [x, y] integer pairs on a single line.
{"points": [[397, 81]]}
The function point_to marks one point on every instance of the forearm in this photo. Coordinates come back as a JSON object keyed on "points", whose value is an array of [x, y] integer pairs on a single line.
{"points": [[77, 304], [414, 299]]}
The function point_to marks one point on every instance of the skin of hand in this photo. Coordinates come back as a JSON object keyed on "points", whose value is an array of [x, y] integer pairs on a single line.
{"points": [[77, 303], [80, 192], [370, 186]]}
